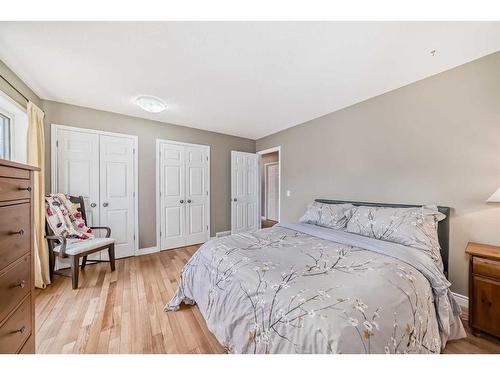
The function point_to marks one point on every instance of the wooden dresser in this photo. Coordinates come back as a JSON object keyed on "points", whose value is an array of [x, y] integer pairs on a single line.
{"points": [[17, 307], [484, 288]]}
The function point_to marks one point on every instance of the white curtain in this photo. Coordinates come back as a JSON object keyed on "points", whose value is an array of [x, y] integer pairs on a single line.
{"points": [[36, 157]]}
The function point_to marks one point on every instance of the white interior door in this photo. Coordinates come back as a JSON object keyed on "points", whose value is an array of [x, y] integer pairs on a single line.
{"points": [[272, 189], [117, 195], [77, 172], [244, 192], [196, 169], [78, 169], [172, 196]]}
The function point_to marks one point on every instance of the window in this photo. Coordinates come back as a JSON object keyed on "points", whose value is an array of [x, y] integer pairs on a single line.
{"points": [[5, 123]]}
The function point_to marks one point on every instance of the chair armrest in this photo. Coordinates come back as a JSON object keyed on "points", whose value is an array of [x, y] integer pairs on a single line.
{"points": [[108, 230], [62, 241]]}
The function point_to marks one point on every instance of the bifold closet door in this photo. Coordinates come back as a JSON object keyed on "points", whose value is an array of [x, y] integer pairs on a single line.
{"points": [[172, 196], [196, 165], [78, 172], [117, 196], [101, 168], [184, 195]]}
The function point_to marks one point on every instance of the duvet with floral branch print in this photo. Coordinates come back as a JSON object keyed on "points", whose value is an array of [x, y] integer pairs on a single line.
{"points": [[278, 290]]}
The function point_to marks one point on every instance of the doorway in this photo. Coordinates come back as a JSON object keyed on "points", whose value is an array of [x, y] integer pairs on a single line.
{"points": [[270, 176]]}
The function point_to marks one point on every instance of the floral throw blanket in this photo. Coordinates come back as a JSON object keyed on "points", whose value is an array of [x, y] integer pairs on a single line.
{"points": [[64, 219]]}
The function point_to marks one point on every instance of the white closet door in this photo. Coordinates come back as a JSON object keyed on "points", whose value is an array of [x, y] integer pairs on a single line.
{"points": [[196, 164], [172, 196], [78, 169], [117, 203], [244, 191]]}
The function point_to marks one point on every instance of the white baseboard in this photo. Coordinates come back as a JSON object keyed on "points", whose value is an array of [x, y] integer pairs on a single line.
{"points": [[147, 250], [223, 234], [462, 300]]}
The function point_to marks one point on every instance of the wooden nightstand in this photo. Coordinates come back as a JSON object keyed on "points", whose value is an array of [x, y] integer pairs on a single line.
{"points": [[484, 288]]}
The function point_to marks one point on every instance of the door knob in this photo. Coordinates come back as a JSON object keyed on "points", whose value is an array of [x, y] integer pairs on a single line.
{"points": [[182, 200], [105, 204], [235, 199], [93, 205], [189, 200]]}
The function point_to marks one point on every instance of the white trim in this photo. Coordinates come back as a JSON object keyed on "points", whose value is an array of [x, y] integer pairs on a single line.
{"points": [[53, 165], [147, 250], [268, 151], [462, 300], [159, 141], [222, 234]]}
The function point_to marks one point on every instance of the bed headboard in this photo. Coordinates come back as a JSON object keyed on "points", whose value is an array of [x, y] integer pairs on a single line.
{"points": [[443, 225]]}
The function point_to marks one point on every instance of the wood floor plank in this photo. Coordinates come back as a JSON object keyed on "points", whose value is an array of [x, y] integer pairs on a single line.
{"points": [[122, 312]]}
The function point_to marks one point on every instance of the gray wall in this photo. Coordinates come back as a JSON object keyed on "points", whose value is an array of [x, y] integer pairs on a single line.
{"points": [[18, 84], [434, 141], [147, 132]]}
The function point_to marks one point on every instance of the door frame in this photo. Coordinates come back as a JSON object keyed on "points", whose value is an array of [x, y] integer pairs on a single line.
{"points": [[268, 151], [266, 165], [53, 166], [159, 142]]}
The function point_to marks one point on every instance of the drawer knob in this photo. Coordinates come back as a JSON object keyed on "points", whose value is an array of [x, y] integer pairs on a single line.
{"points": [[21, 284], [19, 232], [21, 330], [25, 188]]}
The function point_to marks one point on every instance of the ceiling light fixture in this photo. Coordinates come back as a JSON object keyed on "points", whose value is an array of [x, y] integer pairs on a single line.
{"points": [[150, 104]]}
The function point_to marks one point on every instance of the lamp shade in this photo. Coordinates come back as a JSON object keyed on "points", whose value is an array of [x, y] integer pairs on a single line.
{"points": [[495, 197]]}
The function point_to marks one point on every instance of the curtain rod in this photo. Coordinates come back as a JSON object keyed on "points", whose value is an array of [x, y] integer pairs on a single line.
{"points": [[15, 89]]}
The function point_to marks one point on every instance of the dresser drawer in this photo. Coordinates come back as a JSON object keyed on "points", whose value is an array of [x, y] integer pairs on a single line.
{"points": [[15, 283], [486, 267], [15, 331], [14, 188], [15, 232]]}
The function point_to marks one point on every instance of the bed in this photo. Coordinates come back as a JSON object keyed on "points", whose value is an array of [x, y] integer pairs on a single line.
{"points": [[302, 288]]}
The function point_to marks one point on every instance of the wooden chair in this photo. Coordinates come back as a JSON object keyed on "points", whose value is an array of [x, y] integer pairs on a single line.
{"points": [[82, 249]]}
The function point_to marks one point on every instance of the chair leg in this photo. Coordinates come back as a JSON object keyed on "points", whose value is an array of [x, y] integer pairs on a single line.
{"points": [[74, 271], [84, 262], [111, 253], [52, 264]]}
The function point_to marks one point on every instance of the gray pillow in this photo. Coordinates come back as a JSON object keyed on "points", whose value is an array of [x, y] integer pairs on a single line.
{"points": [[326, 215], [311, 216], [334, 215], [415, 227]]}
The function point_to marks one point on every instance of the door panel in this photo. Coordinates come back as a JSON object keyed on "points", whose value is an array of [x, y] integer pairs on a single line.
{"points": [[78, 169], [117, 198], [196, 165], [78, 174], [172, 197], [244, 191]]}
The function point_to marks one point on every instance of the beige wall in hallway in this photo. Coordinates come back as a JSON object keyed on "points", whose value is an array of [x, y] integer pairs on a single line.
{"points": [[434, 141], [148, 131]]}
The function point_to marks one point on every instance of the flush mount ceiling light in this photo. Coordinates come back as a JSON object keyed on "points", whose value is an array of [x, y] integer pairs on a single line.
{"points": [[150, 104]]}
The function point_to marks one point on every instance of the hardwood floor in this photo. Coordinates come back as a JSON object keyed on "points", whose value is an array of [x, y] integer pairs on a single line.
{"points": [[268, 223], [122, 312]]}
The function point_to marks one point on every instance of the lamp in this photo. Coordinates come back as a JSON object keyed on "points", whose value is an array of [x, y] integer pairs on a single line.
{"points": [[495, 197]]}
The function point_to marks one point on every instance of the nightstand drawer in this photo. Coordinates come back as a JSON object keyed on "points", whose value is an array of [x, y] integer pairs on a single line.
{"points": [[486, 267], [486, 305]]}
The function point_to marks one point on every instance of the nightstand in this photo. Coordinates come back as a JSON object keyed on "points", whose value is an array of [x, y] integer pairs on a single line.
{"points": [[484, 288]]}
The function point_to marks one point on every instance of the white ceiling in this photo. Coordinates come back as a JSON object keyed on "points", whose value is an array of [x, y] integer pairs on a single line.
{"points": [[249, 79]]}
